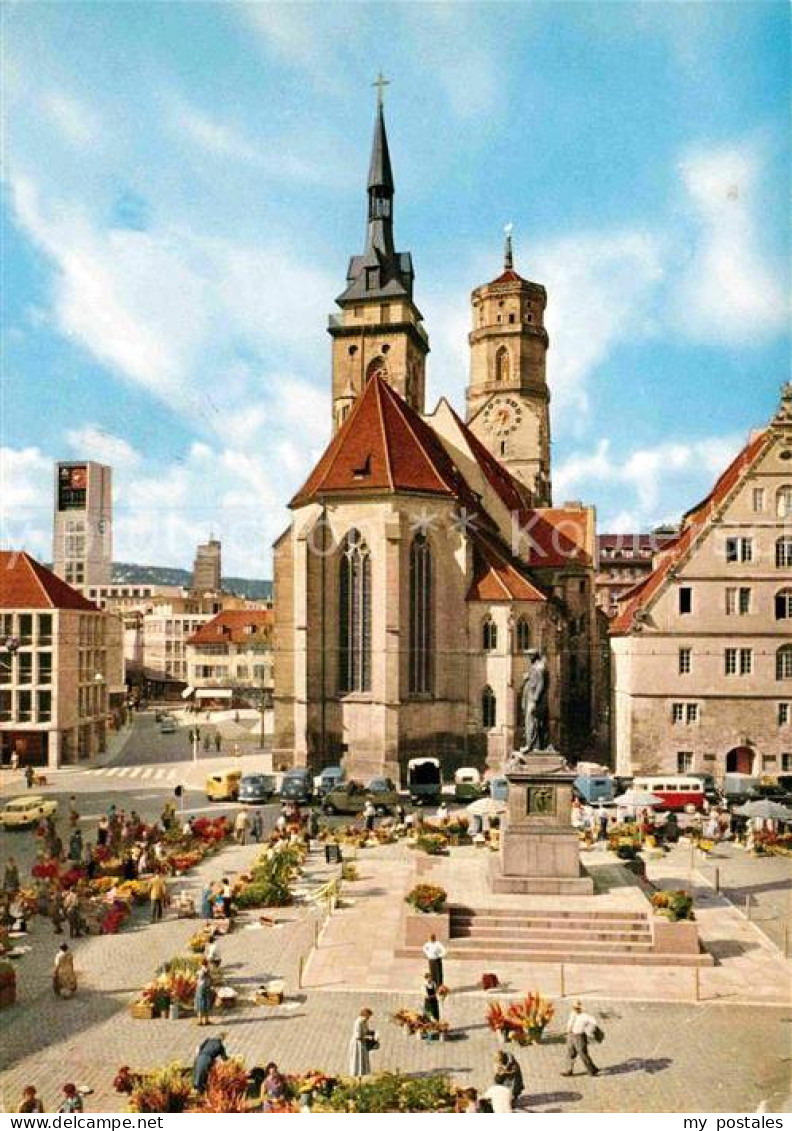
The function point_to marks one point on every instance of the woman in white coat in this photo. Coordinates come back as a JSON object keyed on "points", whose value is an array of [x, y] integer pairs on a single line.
{"points": [[363, 1040]]}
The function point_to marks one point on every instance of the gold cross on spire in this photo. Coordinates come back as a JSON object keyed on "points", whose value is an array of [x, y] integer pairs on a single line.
{"points": [[380, 82]]}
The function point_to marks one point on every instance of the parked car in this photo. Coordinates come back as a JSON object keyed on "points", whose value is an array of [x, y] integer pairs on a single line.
{"points": [[168, 725], [739, 788], [297, 785], [770, 791], [24, 811], [256, 789], [593, 789], [467, 784], [223, 786], [351, 797], [328, 779], [424, 781]]}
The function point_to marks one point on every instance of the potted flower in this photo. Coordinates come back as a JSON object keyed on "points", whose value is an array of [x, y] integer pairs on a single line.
{"points": [[429, 899], [674, 930], [428, 915]]}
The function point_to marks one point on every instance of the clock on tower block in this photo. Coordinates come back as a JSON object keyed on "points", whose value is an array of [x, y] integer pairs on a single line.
{"points": [[508, 401]]}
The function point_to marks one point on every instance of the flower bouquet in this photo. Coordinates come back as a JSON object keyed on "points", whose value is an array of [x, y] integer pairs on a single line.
{"points": [[427, 898], [522, 1021]]}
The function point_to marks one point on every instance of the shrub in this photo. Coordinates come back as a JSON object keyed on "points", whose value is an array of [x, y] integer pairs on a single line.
{"points": [[427, 898], [433, 844], [389, 1092], [673, 905]]}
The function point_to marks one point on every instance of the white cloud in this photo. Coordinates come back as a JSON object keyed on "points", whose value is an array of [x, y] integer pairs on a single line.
{"points": [[216, 137], [92, 442], [648, 485], [77, 123], [26, 479], [727, 290]]}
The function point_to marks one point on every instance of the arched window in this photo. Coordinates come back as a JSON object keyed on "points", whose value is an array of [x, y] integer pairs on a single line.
{"points": [[489, 708], [377, 367], [784, 502], [783, 553], [354, 615], [522, 635], [421, 604], [784, 662], [502, 365], [783, 604], [489, 635]]}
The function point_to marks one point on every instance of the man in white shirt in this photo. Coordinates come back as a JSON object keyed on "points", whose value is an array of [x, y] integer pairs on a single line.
{"points": [[581, 1028], [435, 953], [500, 1097]]}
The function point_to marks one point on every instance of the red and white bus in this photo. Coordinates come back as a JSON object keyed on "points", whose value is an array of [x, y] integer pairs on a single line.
{"points": [[675, 790]]}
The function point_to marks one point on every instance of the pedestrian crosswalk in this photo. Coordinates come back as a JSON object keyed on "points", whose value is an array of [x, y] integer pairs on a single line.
{"points": [[143, 773]]}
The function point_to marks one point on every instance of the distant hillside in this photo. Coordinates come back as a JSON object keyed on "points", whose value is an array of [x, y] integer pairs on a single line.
{"points": [[129, 573]]}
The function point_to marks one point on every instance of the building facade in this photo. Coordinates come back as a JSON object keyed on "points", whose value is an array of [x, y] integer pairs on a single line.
{"points": [[207, 567], [623, 560], [419, 569], [60, 666], [82, 544], [229, 659], [702, 649]]}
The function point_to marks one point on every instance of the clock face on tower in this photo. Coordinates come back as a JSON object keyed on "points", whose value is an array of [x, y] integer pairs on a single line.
{"points": [[502, 415]]}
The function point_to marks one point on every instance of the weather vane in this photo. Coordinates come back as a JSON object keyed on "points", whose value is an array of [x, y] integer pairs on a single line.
{"points": [[380, 82]]}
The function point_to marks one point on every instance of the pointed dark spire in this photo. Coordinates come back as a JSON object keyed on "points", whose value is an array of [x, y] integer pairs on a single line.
{"points": [[508, 257], [379, 236], [380, 173]]}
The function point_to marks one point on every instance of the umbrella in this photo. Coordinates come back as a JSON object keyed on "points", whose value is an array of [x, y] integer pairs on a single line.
{"points": [[765, 810], [486, 807], [639, 799]]}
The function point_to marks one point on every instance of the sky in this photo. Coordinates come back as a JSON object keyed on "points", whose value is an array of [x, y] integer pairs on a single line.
{"points": [[184, 184]]}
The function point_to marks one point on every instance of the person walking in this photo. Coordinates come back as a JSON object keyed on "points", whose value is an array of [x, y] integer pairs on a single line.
{"points": [[64, 978], [208, 1052], [369, 814], [158, 894], [257, 827], [241, 827], [207, 899], [581, 1028], [30, 1102], [75, 846], [72, 1100], [56, 911], [71, 907], [11, 884], [203, 994], [74, 816], [435, 952], [30, 776], [431, 1002], [226, 896], [508, 1072], [363, 1041], [218, 741]]}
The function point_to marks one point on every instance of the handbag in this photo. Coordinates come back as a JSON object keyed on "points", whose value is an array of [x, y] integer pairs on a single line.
{"points": [[598, 1034], [372, 1043]]}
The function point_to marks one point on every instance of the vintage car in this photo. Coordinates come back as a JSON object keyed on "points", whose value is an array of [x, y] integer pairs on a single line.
{"points": [[223, 786], [351, 797], [24, 811]]}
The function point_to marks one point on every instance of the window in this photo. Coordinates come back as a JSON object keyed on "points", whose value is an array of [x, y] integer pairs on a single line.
{"points": [[738, 600], [685, 599], [25, 628], [738, 660], [488, 708], [684, 761], [786, 762], [731, 601], [758, 500], [511, 318], [746, 661], [677, 712], [731, 661], [45, 667], [783, 604], [744, 601], [24, 706], [45, 628], [421, 665], [784, 714], [489, 635], [502, 365], [784, 502], [522, 635], [685, 657], [784, 662], [5, 706], [44, 706], [783, 557], [691, 713], [355, 615], [25, 669], [739, 549], [768, 761]]}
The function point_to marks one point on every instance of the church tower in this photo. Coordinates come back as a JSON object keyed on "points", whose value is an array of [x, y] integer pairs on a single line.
{"points": [[380, 329], [508, 401]]}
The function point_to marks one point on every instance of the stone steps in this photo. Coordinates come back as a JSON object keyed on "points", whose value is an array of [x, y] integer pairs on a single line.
{"points": [[511, 913], [529, 933]]}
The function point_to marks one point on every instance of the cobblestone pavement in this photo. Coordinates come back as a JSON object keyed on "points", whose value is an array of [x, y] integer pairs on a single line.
{"points": [[657, 1057], [766, 882]]}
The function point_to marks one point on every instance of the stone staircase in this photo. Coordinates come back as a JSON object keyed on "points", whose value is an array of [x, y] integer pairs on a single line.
{"points": [[537, 935]]}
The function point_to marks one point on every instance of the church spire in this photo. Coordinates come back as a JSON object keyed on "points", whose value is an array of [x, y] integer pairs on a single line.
{"points": [[508, 257], [380, 185]]}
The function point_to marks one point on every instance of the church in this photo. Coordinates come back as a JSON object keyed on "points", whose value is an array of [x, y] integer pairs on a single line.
{"points": [[425, 562]]}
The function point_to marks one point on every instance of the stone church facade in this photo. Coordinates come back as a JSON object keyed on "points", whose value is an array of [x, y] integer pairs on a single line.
{"points": [[424, 558]]}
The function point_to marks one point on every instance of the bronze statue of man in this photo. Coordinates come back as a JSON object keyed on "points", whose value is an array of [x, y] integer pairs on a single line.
{"points": [[533, 698]]}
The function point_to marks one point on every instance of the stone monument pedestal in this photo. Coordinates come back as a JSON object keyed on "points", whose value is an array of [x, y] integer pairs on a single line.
{"points": [[539, 849]]}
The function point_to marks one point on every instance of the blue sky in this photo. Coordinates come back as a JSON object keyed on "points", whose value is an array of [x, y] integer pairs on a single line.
{"points": [[184, 183]]}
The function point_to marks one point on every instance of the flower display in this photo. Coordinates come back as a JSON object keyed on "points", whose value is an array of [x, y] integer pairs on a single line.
{"points": [[427, 898], [673, 905], [521, 1021]]}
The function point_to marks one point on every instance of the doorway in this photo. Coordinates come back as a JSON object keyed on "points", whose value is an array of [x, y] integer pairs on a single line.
{"points": [[740, 760]]}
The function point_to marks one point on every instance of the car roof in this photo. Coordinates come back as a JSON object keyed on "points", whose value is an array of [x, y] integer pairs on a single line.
{"points": [[25, 802]]}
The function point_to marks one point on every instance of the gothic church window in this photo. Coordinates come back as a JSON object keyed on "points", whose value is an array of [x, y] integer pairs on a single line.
{"points": [[421, 607], [489, 635], [522, 635], [502, 365], [489, 708], [354, 660]]}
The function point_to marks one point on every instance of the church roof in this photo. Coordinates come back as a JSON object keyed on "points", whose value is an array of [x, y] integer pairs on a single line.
{"points": [[503, 483], [384, 446], [692, 523], [497, 576], [380, 172], [27, 584], [555, 536]]}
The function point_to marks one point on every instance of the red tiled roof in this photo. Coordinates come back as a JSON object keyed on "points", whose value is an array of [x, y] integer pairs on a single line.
{"points": [[27, 584], [508, 276], [229, 627], [554, 536], [693, 521], [497, 576], [499, 478], [384, 446]]}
